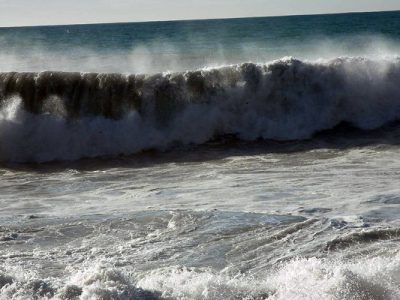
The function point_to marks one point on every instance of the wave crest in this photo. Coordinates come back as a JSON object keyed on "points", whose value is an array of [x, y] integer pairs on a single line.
{"points": [[65, 116]]}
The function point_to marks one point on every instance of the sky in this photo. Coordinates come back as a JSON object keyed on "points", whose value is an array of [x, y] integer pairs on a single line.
{"points": [[48, 12]]}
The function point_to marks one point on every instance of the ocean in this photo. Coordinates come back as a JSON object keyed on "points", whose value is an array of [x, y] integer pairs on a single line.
{"points": [[252, 158]]}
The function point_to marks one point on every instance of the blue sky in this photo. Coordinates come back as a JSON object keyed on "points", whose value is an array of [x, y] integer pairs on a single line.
{"points": [[43, 12]]}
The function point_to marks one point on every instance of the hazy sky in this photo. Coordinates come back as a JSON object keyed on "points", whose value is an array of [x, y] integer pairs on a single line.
{"points": [[34, 12]]}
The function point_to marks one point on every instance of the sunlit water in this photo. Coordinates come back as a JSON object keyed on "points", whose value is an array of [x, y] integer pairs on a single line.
{"points": [[232, 217]]}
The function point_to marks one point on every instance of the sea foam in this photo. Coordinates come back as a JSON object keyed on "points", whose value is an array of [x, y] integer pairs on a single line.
{"points": [[66, 116], [298, 279]]}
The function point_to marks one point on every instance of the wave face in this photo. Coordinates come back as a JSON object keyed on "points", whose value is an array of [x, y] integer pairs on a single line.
{"points": [[65, 116]]}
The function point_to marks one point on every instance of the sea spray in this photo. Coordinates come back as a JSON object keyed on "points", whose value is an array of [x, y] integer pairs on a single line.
{"points": [[112, 114]]}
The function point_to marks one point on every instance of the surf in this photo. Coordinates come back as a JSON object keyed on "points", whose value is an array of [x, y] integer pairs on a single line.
{"points": [[100, 114]]}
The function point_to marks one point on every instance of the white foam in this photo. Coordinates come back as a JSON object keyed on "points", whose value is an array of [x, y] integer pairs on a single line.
{"points": [[292, 100], [374, 278], [299, 279]]}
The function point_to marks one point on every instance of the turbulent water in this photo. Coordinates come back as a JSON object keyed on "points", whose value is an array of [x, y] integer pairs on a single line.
{"points": [[219, 159]]}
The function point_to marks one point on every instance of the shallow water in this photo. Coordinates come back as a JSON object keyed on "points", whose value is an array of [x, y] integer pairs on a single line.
{"points": [[216, 221]]}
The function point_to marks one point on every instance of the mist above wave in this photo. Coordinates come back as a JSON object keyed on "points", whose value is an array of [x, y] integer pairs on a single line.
{"points": [[63, 116], [36, 52]]}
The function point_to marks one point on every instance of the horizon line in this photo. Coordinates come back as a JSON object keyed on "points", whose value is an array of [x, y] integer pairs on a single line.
{"points": [[200, 19]]}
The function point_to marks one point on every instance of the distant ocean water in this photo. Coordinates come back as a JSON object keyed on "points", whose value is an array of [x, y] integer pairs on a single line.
{"points": [[217, 159]]}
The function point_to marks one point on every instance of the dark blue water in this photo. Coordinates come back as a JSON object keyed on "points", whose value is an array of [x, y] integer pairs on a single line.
{"points": [[179, 45]]}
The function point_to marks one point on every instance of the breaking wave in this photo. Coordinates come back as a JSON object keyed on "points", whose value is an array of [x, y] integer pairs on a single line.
{"points": [[66, 116], [375, 278]]}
